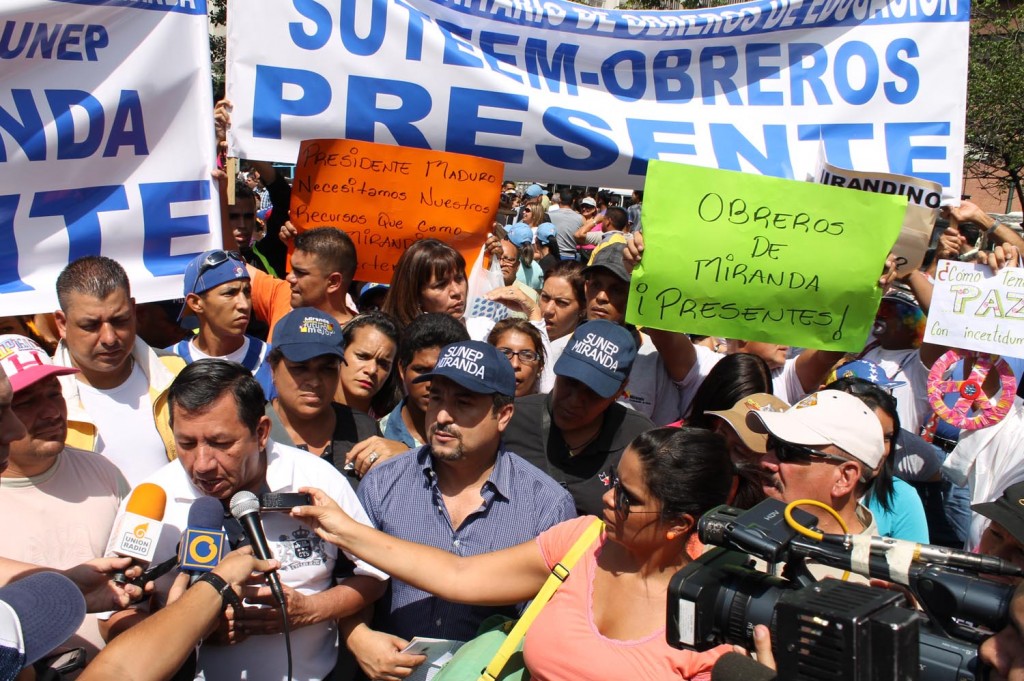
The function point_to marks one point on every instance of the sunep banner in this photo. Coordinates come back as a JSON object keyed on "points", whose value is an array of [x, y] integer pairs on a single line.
{"points": [[106, 143], [568, 93]]}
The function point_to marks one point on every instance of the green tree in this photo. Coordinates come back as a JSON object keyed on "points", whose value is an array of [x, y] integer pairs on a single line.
{"points": [[218, 13], [995, 85]]}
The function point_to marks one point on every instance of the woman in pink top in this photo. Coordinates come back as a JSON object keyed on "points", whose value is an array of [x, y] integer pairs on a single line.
{"points": [[607, 621]]}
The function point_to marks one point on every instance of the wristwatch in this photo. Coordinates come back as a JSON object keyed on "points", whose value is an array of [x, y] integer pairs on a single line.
{"points": [[227, 594]]}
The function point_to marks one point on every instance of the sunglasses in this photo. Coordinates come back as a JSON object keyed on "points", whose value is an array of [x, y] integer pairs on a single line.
{"points": [[787, 452], [623, 501], [218, 258]]}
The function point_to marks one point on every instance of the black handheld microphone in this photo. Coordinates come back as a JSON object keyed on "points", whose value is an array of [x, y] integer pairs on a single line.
{"points": [[245, 507]]}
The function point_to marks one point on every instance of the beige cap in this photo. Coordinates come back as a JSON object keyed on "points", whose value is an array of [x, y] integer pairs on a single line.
{"points": [[736, 417]]}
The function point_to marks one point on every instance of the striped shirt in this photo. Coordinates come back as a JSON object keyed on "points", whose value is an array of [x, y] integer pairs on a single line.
{"points": [[401, 498]]}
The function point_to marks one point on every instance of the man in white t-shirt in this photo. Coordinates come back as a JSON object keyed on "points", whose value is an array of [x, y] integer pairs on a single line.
{"points": [[223, 442], [117, 403], [218, 299], [897, 348], [64, 500]]}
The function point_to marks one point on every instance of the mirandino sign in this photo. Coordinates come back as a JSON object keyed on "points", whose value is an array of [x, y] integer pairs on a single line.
{"points": [[558, 91]]}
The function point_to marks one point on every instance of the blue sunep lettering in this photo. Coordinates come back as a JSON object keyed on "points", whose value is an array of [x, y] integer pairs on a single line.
{"points": [[64, 42]]}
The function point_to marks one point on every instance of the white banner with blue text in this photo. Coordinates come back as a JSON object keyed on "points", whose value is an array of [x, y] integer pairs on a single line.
{"points": [[106, 143], [572, 94]]}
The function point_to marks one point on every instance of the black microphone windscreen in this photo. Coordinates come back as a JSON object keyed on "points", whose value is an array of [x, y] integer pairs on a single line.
{"points": [[206, 512], [736, 667]]}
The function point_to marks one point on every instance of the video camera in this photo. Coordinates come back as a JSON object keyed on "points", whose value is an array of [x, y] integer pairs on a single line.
{"points": [[831, 628]]}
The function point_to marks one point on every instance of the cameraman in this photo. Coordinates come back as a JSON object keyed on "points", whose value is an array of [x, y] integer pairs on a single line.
{"points": [[820, 449], [1004, 652], [1004, 536]]}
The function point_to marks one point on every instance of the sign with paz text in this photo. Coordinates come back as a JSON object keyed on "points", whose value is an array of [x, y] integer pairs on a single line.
{"points": [[386, 198], [976, 310], [759, 258]]}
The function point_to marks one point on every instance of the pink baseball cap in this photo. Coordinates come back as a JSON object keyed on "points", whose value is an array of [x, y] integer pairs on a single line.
{"points": [[26, 363]]}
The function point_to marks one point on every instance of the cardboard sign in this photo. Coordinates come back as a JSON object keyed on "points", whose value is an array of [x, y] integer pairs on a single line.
{"points": [[759, 258], [386, 198], [923, 201], [976, 310]]}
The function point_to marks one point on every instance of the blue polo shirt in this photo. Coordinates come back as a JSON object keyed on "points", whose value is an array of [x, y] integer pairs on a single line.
{"points": [[401, 498]]}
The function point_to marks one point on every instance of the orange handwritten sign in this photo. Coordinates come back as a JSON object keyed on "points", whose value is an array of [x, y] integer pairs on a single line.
{"points": [[386, 198]]}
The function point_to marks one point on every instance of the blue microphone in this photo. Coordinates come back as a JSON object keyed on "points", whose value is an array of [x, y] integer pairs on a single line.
{"points": [[202, 542]]}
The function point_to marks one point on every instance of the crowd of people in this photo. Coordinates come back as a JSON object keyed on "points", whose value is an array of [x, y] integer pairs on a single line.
{"points": [[453, 457]]}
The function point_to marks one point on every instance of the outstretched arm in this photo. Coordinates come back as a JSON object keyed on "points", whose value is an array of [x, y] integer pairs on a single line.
{"points": [[503, 577]]}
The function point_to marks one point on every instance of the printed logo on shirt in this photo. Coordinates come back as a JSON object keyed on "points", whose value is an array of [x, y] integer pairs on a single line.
{"points": [[461, 358], [598, 349], [301, 549]]}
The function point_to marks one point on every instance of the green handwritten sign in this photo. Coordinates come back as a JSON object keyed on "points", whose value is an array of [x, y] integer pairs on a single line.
{"points": [[760, 258]]}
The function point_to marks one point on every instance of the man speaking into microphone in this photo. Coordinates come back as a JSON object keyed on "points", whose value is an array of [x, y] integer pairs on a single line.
{"points": [[222, 438]]}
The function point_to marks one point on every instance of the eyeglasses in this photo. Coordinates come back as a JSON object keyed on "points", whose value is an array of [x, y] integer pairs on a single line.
{"points": [[218, 258], [524, 356], [508, 261], [787, 452], [623, 501]]}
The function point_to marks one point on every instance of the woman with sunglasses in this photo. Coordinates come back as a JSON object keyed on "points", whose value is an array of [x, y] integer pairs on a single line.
{"points": [[607, 620], [521, 342], [897, 507]]}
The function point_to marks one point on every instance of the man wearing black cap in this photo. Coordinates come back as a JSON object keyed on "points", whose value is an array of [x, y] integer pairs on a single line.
{"points": [[1004, 536], [463, 492], [578, 431]]}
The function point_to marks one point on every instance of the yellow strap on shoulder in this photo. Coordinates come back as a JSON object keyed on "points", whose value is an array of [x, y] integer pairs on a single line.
{"points": [[559, 573]]}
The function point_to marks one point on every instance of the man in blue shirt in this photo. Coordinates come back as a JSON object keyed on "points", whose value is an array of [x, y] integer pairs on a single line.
{"points": [[462, 492]]}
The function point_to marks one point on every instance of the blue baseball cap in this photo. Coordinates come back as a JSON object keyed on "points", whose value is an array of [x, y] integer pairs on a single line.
{"points": [[520, 234], [535, 190], [39, 613], [367, 290], [545, 231], [306, 332], [869, 371], [476, 366], [209, 270], [599, 355]]}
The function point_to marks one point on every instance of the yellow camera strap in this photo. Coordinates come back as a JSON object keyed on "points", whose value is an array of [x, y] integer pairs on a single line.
{"points": [[559, 573]]}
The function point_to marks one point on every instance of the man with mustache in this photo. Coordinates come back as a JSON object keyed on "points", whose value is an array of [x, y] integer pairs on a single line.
{"points": [[463, 492], [65, 500], [820, 449], [117, 401]]}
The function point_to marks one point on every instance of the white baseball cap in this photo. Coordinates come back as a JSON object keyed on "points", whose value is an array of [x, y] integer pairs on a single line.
{"points": [[827, 417]]}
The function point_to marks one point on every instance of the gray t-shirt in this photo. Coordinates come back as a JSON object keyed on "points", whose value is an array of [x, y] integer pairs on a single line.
{"points": [[566, 222]]}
